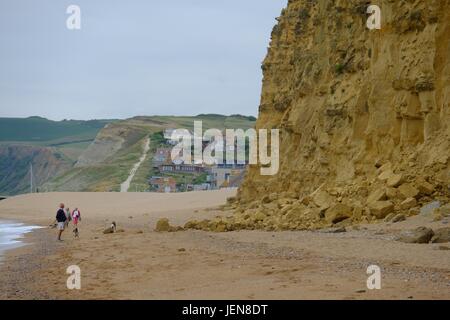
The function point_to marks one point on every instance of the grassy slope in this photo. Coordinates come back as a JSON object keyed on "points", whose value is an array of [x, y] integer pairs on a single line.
{"points": [[145, 171], [209, 121], [73, 150], [41, 131], [103, 177]]}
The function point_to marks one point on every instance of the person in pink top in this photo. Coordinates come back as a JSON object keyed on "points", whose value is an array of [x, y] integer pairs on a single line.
{"points": [[76, 217]]}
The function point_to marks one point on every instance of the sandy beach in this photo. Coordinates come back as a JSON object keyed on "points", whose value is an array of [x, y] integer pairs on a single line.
{"points": [[140, 263]]}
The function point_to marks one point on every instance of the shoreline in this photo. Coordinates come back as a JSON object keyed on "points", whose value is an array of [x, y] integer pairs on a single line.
{"points": [[13, 235], [20, 264], [140, 263]]}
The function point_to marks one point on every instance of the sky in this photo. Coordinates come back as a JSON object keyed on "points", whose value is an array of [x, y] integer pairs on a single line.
{"points": [[137, 57]]}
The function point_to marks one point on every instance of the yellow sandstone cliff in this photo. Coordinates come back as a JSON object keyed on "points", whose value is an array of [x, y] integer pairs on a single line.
{"points": [[364, 116]]}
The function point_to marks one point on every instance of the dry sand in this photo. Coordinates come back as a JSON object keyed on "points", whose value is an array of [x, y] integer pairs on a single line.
{"points": [[143, 264]]}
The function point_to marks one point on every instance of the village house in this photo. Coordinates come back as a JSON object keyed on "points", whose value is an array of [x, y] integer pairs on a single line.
{"points": [[168, 135], [163, 184], [182, 168], [162, 156], [201, 187]]}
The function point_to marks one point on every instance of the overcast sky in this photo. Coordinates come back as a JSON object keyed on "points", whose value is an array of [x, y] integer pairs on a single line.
{"points": [[136, 57]]}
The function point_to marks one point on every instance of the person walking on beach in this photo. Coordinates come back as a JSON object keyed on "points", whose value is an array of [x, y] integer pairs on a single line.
{"points": [[76, 216], [68, 217], [61, 220]]}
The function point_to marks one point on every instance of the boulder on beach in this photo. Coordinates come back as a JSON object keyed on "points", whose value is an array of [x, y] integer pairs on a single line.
{"points": [[380, 209], [419, 235], [338, 213], [163, 225], [441, 235], [398, 218]]}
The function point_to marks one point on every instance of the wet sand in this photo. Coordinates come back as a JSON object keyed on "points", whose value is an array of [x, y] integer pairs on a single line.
{"points": [[143, 264], [11, 235]]}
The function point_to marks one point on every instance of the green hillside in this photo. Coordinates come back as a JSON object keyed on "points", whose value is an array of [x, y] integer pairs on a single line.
{"points": [[41, 131], [209, 121], [106, 163]]}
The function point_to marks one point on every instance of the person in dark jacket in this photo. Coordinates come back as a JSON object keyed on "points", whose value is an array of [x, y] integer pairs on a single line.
{"points": [[61, 220]]}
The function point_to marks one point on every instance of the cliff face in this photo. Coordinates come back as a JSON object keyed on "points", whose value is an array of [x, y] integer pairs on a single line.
{"points": [[346, 97], [363, 114], [110, 140], [15, 164]]}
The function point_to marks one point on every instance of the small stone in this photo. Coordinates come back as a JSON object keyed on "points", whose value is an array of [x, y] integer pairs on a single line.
{"points": [[265, 199], [357, 213], [441, 235], [191, 224], [260, 216], [273, 197], [408, 204], [425, 187], [230, 200], [391, 193], [389, 217], [445, 210], [377, 195], [182, 250], [414, 211], [398, 218], [394, 180], [385, 175], [407, 190], [335, 230], [338, 213], [360, 291], [378, 163], [305, 200], [323, 200], [381, 209], [220, 227], [437, 216], [385, 167]]}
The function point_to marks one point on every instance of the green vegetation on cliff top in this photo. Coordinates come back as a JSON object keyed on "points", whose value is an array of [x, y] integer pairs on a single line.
{"points": [[41, 131]]}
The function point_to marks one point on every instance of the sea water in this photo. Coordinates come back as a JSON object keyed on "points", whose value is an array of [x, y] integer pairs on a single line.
{"points": [[12, 234]]}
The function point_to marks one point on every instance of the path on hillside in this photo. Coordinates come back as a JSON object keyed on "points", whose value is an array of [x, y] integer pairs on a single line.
{"points": [[126, 184]]}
